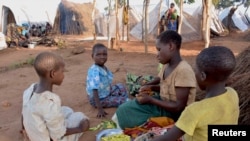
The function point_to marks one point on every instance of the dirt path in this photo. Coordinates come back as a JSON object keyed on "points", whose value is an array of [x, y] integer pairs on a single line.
{"points": [[72, 91]]}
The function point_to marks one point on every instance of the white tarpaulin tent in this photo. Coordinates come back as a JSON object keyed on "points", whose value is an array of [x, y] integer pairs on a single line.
{"points": [[101, 22], [190, 28], [3, 44], [26, 11], [241, 17]]}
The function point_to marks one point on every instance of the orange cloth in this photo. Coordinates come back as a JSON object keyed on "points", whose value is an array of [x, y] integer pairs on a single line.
{"points": [[162, 121], [134, 132]]}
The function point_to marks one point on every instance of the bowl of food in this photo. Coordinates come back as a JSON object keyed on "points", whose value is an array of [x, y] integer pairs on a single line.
{"points": [[113, 133]]}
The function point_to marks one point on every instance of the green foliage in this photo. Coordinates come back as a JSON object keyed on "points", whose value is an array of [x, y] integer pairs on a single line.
{"points": [[224, 3], [215, 2], [27, 62], [228, 3], [185, 1], [61, 43], [189, 1], [106, 8], [247, 3], [177, 2], [122, 2]]}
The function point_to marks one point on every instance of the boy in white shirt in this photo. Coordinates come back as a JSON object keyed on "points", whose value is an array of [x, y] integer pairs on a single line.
{"points": [[43, 117]]}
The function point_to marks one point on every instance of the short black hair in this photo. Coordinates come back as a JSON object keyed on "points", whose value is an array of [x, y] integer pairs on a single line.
{"points": [[47, 61], [98, 46], [217, 62], [170, 36]]}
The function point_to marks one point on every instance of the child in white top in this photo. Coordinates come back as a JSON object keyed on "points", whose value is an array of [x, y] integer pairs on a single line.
{"points": [[43, 117]]}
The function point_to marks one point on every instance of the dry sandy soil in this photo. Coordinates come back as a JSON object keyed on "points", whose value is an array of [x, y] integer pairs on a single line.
{"points": [[15, 80]]}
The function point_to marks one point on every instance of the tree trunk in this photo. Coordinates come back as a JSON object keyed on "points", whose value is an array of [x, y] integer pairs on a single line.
{"points": [[93, 20], [128, 21], [123, 12], [246, 14], [108, 32], [180, 18], [143, 20], [206, 21], [146, 26], [229, 18], [117, 35], [159, 18]]}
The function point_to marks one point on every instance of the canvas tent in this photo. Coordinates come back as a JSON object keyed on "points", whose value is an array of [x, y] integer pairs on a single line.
{"points": [[191, 27], [102, 21], [67, 16], [3, 44], [26, 11], [241, 17]]}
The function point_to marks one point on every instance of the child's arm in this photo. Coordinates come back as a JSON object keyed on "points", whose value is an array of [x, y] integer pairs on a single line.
{"points": [[101, 112], [22, 123], [172, 135], [155, 81], [152, 85], [179, 105], [22, 131]]}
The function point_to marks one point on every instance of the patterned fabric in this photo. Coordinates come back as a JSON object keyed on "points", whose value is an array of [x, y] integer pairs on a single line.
{"points": [[171, 14], [135, 82], [99, 78], [117, 96], [172, 25], [222, 109]]}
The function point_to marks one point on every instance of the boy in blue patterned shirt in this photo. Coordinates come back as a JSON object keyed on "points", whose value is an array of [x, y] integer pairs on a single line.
{"points": [[101, 92]]}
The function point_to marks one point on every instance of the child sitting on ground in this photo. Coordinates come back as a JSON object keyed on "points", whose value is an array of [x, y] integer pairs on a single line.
{"points": [[101, 92], [221, 103], [43, 117], [175, 84]]}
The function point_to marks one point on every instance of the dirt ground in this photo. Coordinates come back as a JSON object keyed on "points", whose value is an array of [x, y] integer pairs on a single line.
{"points": [[15, 79]]}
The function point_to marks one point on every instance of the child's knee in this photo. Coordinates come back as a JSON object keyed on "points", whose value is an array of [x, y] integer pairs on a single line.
{"points": [[74, 119], [67, 111]]}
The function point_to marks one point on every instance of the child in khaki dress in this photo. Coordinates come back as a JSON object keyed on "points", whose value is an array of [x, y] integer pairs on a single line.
{"points": [[175, 82]]}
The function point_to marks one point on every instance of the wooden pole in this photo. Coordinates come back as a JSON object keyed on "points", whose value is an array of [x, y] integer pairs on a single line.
{"points": [[128, 21]]}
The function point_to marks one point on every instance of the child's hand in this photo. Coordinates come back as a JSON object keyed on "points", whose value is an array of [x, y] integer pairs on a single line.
{"points": [[101, 113], [84, 125], [145, 88], [24, 135], [143, 98]]}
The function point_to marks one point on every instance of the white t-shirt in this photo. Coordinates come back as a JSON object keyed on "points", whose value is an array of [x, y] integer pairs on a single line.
{"points": [[42, 115]]}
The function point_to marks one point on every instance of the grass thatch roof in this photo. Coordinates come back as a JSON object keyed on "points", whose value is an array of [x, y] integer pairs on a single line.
{"points": [[73, 18], [240, 81]]}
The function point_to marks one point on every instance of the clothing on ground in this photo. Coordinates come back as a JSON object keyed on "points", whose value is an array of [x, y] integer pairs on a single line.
{"points": [[118, 95]]}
